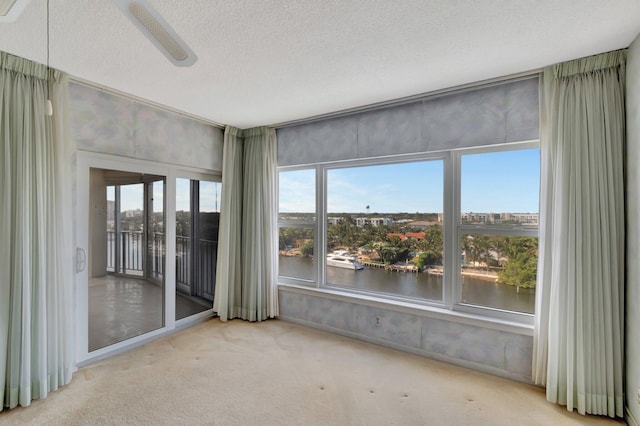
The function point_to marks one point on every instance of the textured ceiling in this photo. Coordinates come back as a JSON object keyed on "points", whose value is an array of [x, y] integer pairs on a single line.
{"points": [[263, 62]]}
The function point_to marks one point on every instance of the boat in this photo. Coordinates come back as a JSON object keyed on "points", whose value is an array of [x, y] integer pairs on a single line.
{"points": [[342, 259]]}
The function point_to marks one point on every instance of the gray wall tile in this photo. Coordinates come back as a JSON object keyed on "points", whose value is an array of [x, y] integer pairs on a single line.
{"points": [[507, 352], [506, 112], [465, 119], [292, 304], [332, 313], [327, 140], [523, 112], [467, 342], [100, 122], [519, 354], [166, 137], [390, 131], [105, 123], [395, 327]]}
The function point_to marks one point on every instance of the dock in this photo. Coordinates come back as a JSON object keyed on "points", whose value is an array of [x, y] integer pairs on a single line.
{"points": [[394, 268]]}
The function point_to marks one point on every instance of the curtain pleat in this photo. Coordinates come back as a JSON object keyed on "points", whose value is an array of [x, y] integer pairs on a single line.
{"points": [[247, 273], [227, 294], [578, 339], [36, 277]]}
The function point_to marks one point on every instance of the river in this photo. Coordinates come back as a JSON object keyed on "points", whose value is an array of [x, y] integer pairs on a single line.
{"points": [[474, 291]]}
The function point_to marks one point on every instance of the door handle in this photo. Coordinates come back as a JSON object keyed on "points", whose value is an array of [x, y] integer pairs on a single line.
{"points": [[81, 259]]}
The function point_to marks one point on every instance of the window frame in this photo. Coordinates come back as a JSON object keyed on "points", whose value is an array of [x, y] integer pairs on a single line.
{"points": [[443, 156], [310, 224], [87, 160], [453, 229], [461, 229]]}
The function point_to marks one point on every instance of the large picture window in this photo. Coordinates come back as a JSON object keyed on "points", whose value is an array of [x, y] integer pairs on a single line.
{"points": [[456, 229], [384, 230]]}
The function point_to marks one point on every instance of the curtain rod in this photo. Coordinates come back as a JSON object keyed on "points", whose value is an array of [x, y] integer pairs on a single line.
{"points": [[143, 101], [409, 99]]}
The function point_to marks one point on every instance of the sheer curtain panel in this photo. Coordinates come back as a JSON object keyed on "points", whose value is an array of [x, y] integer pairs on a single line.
{"points": [[36, 276], [246, 282], [578, 340]]}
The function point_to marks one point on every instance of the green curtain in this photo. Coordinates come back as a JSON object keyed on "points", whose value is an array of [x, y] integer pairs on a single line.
{"points": [[246, 281], [227, 294], [36, 276], [578, 339]]}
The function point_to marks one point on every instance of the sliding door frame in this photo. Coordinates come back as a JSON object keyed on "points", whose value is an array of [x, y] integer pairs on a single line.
{"points": [[85, 162]]}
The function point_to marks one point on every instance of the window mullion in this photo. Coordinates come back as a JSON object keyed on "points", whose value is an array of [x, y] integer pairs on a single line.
{"points": [[450, 207], [321, 226]]}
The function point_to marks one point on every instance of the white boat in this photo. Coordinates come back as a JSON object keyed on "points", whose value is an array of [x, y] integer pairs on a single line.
{"points": [[342, 259]]}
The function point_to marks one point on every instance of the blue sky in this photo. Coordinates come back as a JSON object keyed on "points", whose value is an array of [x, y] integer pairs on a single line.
{"points": [[505, 181], [390, 188]]}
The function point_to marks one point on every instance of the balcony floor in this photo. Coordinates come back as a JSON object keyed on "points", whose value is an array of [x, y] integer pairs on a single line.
{"points": [[124, 307]]}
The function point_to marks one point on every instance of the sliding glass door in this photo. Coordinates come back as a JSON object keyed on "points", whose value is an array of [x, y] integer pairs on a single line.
{"points": [[126, 256], [197, 223], [148, 234]]}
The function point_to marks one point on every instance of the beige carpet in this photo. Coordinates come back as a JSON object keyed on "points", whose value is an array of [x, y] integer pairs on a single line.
{"points": [[277, 373]]}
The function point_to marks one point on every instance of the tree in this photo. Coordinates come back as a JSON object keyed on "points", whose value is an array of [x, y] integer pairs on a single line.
{"points": [[519, 271], [428, 258], [392, 251], [522, 261], [307, 248], [471, 254], [431, 247], [291, 237]]}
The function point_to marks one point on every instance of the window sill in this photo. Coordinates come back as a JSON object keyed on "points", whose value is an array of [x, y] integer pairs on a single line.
{"points": [[413, 308]]}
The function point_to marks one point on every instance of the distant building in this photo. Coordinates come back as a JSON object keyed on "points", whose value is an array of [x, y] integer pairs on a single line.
{"points": [[495, 218], [334, 220], [373, 221], [419, 236], [133, 213], [415, 235], [528, 218], [395, 234]]}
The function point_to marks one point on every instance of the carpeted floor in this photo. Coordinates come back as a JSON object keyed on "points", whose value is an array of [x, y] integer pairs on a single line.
{"points": [[278, 373]]}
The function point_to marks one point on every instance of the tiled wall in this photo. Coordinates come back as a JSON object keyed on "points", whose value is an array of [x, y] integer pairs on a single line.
{"points": [[496, 114], [105, 123], [494, 351]]}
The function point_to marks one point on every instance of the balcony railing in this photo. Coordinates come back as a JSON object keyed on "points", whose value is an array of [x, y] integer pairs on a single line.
{"points": [[132, 260], [203, 282]]}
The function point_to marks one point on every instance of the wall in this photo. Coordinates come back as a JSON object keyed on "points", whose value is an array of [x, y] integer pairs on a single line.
{"points": [[160, 142], [496, 114], [105, 123], [633, 233], [440, 336]]}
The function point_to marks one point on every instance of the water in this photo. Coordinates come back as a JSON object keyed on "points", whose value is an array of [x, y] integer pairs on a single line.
{"points": [[474, 291]]}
